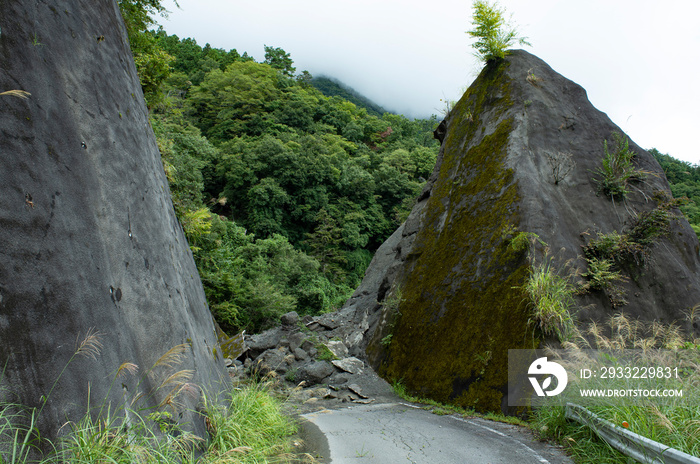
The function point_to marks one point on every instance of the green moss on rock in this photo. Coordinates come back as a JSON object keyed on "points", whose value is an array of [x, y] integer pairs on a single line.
{"points": [[462, 307]]}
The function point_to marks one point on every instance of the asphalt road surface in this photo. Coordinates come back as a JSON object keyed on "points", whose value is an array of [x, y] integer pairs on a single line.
{"points": [[402, 433]]}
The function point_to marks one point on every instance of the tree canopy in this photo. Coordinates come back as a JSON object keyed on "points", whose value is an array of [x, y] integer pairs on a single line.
{"points": [[284, 193]]}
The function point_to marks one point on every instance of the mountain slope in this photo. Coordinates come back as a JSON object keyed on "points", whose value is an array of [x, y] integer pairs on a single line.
{"points": [[331, 87]]}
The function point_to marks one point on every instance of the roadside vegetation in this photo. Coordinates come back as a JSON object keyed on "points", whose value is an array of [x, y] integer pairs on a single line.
{"points": [[671, 421], [245, 427], [442, 409]]}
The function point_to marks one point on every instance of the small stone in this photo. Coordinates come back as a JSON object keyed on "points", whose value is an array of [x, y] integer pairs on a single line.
{"points": [[351, 365], [328, 322], [315, 326], [339, 378], [290, 319], [296, 340], [337, 348], [321, 392], [356, 389], [314, 372], [300, 355], [300, 396], [306, 345], [363, 401], [228, 362], [273, 360], [260, 342]]}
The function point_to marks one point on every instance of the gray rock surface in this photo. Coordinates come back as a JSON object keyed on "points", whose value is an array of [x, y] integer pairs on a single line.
{"points": [[89, 237]]}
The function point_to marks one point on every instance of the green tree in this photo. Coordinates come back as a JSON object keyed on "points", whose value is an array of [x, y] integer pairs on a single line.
{"points": [[152, 62], [236, 101], [280, 60], [493, 34]]}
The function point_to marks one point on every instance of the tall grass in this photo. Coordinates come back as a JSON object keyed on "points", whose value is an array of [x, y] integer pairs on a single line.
{"points": [[17, 433], [248, 428], [551, 297], [16, 93], [673, 421]]}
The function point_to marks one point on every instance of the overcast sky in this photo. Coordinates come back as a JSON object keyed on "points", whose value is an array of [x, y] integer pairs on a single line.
{"points": [[637, 59]]}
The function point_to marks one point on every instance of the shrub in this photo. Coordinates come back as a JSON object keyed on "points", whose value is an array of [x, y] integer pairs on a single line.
{"points": [[617, 170], [602, 275], [492, 32], [633, 245], [616, 247]]}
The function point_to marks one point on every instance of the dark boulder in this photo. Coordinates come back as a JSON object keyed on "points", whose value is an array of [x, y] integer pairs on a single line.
{"points": [[314, 372], [90, 241], [443, 298]]}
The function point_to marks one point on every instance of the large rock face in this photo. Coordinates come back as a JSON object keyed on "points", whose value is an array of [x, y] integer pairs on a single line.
{"points": [[89, 236], [447, 286]]}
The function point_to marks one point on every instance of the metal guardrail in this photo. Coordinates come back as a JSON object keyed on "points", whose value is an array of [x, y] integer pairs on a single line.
{"points": [[629, 443]]}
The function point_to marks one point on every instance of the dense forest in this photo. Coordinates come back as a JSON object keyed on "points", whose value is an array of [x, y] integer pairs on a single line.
{"points": [[285, 190], [284, 193]]}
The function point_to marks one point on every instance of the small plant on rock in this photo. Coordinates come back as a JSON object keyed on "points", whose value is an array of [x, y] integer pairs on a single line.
{"points": [[617, 170], [493, 34], [551, 297], [561, 165], [386, 341], [603, 275], [532, 78]]}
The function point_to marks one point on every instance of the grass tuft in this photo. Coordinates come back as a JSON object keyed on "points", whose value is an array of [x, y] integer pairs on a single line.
{"points": [[551, 298], [249, 427]]}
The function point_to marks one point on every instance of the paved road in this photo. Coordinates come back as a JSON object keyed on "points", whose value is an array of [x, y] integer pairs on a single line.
{"points": [[402, 433]]}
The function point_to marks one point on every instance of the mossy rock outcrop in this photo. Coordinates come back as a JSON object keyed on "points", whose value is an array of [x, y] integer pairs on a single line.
{"points": [[522, 151], [90, 241]]}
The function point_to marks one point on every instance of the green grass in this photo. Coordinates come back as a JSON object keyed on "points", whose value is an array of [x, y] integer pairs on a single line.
{"points": [[551, 297], [248, 427], [16, 433], [671, 421]]}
